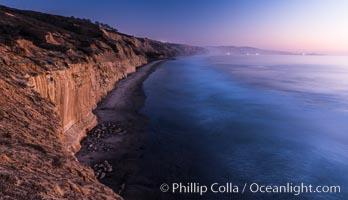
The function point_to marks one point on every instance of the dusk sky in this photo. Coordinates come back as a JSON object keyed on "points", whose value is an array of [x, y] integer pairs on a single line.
{"points": [[295, 25]]}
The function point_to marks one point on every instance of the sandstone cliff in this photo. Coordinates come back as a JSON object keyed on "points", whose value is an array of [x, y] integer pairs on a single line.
{"points": [[53, 72]]}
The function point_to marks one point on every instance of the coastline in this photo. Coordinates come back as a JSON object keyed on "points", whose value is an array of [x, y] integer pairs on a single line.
{"points": [[113, 147], [53, 75]]}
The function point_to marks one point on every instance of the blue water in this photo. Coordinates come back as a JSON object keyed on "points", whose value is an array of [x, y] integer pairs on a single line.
{"points": [[249, 119]]}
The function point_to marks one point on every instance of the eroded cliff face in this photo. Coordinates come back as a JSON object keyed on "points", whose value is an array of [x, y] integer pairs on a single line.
{"points": [[76, 90], [53, 72]]}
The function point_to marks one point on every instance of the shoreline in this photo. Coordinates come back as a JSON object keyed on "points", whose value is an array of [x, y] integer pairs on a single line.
{"points": [[113, 147]]}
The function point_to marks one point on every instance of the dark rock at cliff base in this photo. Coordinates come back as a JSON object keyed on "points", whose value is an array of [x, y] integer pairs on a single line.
{"points": [[95, 139], [101, 169]]}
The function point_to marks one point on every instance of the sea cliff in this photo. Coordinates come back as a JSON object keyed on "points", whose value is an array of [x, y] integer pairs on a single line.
{"points": [[53, 72]]}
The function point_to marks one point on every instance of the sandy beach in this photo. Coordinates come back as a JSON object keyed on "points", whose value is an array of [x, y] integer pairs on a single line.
{"points": [[114, 146]]}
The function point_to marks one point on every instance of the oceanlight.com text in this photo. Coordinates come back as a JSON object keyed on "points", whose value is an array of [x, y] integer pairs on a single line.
{"points": [[230, 188]]}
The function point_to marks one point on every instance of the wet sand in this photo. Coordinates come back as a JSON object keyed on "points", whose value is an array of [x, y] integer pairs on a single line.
{"points": [[118, 138]]}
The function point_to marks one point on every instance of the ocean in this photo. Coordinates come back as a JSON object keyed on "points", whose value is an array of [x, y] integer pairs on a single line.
{"points": [[249, 121]]}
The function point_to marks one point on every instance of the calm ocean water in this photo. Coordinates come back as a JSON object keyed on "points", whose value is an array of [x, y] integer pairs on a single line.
{"points": [[269, 120]]}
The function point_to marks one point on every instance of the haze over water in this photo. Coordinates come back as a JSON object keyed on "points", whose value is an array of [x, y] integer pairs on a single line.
{"points": [[246, 119], [319, 26]]}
